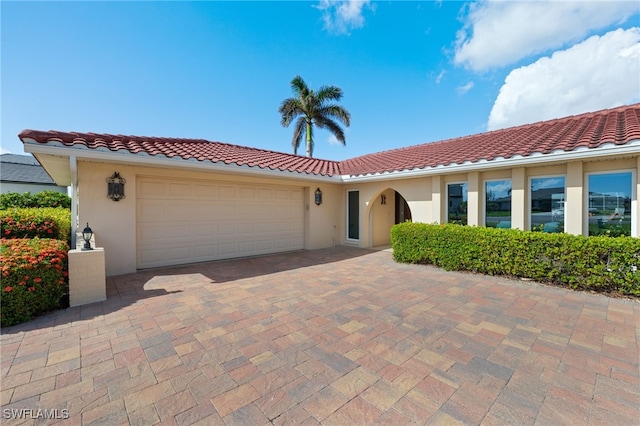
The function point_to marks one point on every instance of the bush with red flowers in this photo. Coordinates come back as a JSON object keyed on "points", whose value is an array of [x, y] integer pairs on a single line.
{"points": [[34, 278], [50, 222]]}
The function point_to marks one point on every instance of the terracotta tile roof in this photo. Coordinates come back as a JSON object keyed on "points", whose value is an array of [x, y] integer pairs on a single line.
{"points": [[617, 126], [199, 149], [613, 126]]}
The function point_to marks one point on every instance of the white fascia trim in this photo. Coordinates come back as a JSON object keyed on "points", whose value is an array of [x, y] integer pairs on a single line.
{"points": [[125, 157], [73, 166], [629, 148], [80, 151]]}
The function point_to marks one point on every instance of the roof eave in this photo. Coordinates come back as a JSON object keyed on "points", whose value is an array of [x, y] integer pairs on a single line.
{"points": [[125, 157], [606, 150]]}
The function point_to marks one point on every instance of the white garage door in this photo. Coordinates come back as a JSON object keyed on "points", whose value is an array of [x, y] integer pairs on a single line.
{"points": [[187, 221]]}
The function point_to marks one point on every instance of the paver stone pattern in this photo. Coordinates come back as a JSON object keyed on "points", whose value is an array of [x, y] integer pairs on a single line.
{"points": [[341, 336]]}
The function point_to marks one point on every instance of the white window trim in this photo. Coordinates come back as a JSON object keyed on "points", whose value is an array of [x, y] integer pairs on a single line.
{"points": [[634, 199], [529, 212]]}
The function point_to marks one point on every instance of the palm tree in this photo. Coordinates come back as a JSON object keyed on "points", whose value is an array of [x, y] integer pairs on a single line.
{"points": [[313, 108]]}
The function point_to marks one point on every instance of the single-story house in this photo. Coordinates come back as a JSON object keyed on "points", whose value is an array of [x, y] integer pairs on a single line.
{"points": [[23, 173], [189, 200]]}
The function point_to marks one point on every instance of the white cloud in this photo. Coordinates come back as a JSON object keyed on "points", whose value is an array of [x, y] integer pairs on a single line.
{"points": [[599, 73], [464, 89], [4, 151], [543, 183], [333, 140], [499, 33], [342, 16], [499, 189], [440, 76]]}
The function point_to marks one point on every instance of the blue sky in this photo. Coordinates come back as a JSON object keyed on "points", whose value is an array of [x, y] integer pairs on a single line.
{"points": [[411, 72]]}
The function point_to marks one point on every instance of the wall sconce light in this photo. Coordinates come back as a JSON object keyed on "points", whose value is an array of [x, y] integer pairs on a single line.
{"points": [[115, 187], [318, 195], [87, 233], [383, 199]]}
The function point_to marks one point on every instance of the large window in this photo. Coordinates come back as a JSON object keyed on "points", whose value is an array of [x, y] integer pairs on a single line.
{"points": [[610, 203], [457, 203], [353, 215], [547, 204], [497, 206]]}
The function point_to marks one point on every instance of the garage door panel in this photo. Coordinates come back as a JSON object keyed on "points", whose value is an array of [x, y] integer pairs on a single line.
{"points": [[229, 248], [247, 228], [161, 231], [207, 192], [281, 211], [202, 209], [297, 242], [204, 251], [180, 254], [296, 196], [296, 227], [180, 221], [151, 188], [226, 192], [264, 245], [281, 194], [246, 247], [225, 210], [204, 231], [179, 190], [246, 194], [151, 209], [264, 194], [281, 243], [153, 256], [226, 229]]}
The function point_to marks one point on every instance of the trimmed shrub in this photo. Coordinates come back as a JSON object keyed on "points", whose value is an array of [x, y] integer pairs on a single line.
{"points": [[34, 278], [601, 264], [39, 199], [36, 222]]}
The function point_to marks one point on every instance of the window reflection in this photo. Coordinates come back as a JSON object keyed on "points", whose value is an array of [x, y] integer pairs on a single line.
{"points": [[498, 204], [547, 204], [610, 204], [457, 203]]}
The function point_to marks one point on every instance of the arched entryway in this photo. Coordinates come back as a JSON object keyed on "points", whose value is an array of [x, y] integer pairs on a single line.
{"points": [[387, 209]]}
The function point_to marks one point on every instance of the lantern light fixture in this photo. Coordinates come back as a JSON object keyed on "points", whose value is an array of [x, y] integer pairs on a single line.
{"points": [[318, 197], [87, 233], [115, 187]]}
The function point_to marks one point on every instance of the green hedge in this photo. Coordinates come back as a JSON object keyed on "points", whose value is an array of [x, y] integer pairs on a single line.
{"points": [[39, 199], [601, 264], [34, 278], [36, 222]]}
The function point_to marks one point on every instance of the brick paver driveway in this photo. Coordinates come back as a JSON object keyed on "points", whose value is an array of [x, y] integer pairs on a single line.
{"points": [[340, 336]]}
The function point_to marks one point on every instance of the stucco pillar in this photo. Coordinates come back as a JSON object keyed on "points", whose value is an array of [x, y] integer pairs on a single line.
{"points": [[518, 199], [436, 198], [574, 206], [473, 199]]}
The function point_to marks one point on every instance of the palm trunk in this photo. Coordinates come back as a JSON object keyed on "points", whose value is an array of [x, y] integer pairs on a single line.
{"points": [[309, 141]]}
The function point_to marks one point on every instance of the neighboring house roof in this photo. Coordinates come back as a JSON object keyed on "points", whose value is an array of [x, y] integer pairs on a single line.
{"points": [[613, 127], [24, 169]]}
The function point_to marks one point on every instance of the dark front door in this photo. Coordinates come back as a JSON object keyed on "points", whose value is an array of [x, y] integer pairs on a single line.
{"points": [[403, 213]]}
